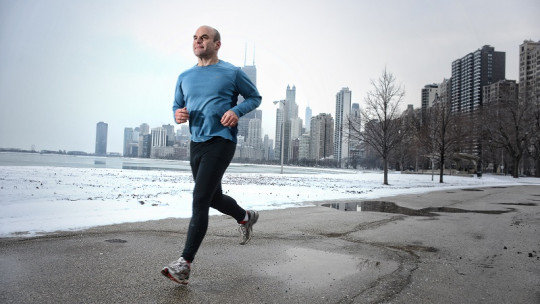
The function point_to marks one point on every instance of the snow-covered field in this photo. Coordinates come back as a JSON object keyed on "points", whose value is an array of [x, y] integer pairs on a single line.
{"points": [[35, 199]]}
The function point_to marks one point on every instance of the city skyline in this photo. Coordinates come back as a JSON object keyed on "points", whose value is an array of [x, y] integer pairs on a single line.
{"points": [[69, 65]]}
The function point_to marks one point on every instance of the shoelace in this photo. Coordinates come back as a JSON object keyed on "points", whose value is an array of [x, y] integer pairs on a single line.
{"points": [[179, 266]]}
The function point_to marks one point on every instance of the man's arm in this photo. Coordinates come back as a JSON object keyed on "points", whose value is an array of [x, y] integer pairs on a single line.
{"points": [[180, 112], [246, 88]]}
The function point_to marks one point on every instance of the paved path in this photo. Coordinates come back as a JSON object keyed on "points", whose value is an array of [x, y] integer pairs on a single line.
{"points": [[482, 247]]}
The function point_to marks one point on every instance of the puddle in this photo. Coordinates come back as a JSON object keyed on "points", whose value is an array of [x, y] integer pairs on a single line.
{"points": [[519, 204], [311, 268], [390, 207], [116, 241]]}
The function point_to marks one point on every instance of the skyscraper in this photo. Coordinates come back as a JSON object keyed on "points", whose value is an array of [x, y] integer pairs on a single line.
{"points": [[355, 147], [254, 138], [341, 131], [322, 132], [159, 137], [169, 133], [243, 122], [101, 138], [529, 71], [144, 129], [159, 147], [430, 93], [128, 140], [307, 120], [287, 119], [472, 72]]}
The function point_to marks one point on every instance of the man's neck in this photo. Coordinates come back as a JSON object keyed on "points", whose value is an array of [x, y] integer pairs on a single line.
{"points": [[207, 61]]}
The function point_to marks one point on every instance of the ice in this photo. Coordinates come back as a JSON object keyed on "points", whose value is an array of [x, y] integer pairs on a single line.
{"points": [[36, 200]]}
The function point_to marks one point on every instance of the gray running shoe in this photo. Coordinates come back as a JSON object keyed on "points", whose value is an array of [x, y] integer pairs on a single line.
{"points": [[246, 230], [178, 271]]}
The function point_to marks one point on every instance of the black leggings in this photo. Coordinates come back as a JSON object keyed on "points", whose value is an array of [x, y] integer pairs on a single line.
{"points": [[208, 161]]}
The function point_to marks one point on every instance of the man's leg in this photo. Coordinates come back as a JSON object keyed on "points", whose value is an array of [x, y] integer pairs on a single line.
{"points": [[227, 205], [209, 161]]}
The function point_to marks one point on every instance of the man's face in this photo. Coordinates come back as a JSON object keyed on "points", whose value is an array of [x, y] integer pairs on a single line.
{"points": [[204, 45]]}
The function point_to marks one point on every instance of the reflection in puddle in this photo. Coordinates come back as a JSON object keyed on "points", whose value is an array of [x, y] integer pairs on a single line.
{"points": [[389, 207], [311, 268]]}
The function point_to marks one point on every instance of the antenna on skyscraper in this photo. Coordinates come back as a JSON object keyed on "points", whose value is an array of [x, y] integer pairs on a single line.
{"points": [[245, 53]]}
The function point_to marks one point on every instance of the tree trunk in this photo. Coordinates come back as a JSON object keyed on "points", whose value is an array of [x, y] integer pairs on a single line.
{"points": [[385, 166], [441, 166], [515, 170]]}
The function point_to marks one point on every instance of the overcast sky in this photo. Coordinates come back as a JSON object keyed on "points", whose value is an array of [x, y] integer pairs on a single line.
{"points": [[66, 65]]}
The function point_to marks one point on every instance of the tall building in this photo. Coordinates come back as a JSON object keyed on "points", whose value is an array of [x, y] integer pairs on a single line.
{"points": [[128, 140], [243, 122], [144, 142], [472, 72], [144, 129], [430, 93], [290, 102], [308, 119], [251, 72], [159, 148], [169, 133], [254, 138], [504, 91], [287, 119], [322, 136], [445, 90], [280, 118], [529, 71], [341, 131], [159, 137], [355, 147], [145, 145], [303, 150], [268, 144], [101, 138]]}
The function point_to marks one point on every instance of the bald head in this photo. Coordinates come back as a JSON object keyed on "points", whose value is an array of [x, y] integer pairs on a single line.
{"points": [[216, 35]]}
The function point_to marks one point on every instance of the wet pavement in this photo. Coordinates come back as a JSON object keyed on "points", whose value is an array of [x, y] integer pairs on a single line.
{"points": [[456, 246]]}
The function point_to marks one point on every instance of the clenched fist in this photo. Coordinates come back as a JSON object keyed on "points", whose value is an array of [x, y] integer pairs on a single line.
{"points": [[229, 119], [181, 115]]}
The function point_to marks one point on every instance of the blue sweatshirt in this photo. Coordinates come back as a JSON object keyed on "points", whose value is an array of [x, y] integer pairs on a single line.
{"points": [[210, 91]]}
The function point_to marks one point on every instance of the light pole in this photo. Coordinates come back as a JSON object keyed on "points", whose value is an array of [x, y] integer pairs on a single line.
{"points": [[282, 131]]}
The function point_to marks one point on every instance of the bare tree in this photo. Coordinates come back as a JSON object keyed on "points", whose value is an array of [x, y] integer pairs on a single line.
{"points": [[508, 123], [380, 118], [405, 153], [440, 133]]}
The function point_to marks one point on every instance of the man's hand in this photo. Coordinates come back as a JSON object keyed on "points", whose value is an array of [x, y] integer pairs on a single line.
{"points": [[181, 115], [229, 119]]}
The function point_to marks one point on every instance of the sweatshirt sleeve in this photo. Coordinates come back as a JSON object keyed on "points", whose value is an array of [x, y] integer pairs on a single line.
{"points": [[179, 101], [246, 88]]}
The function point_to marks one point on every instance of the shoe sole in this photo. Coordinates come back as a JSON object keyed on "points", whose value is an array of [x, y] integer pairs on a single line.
{"points": [[166, 273]]}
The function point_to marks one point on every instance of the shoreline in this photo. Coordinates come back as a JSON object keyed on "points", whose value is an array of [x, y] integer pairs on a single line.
{"points": [[37, 200]]}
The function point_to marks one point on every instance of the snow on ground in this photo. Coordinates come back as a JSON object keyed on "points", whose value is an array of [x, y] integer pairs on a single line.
{"points": [[36, 200]]}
